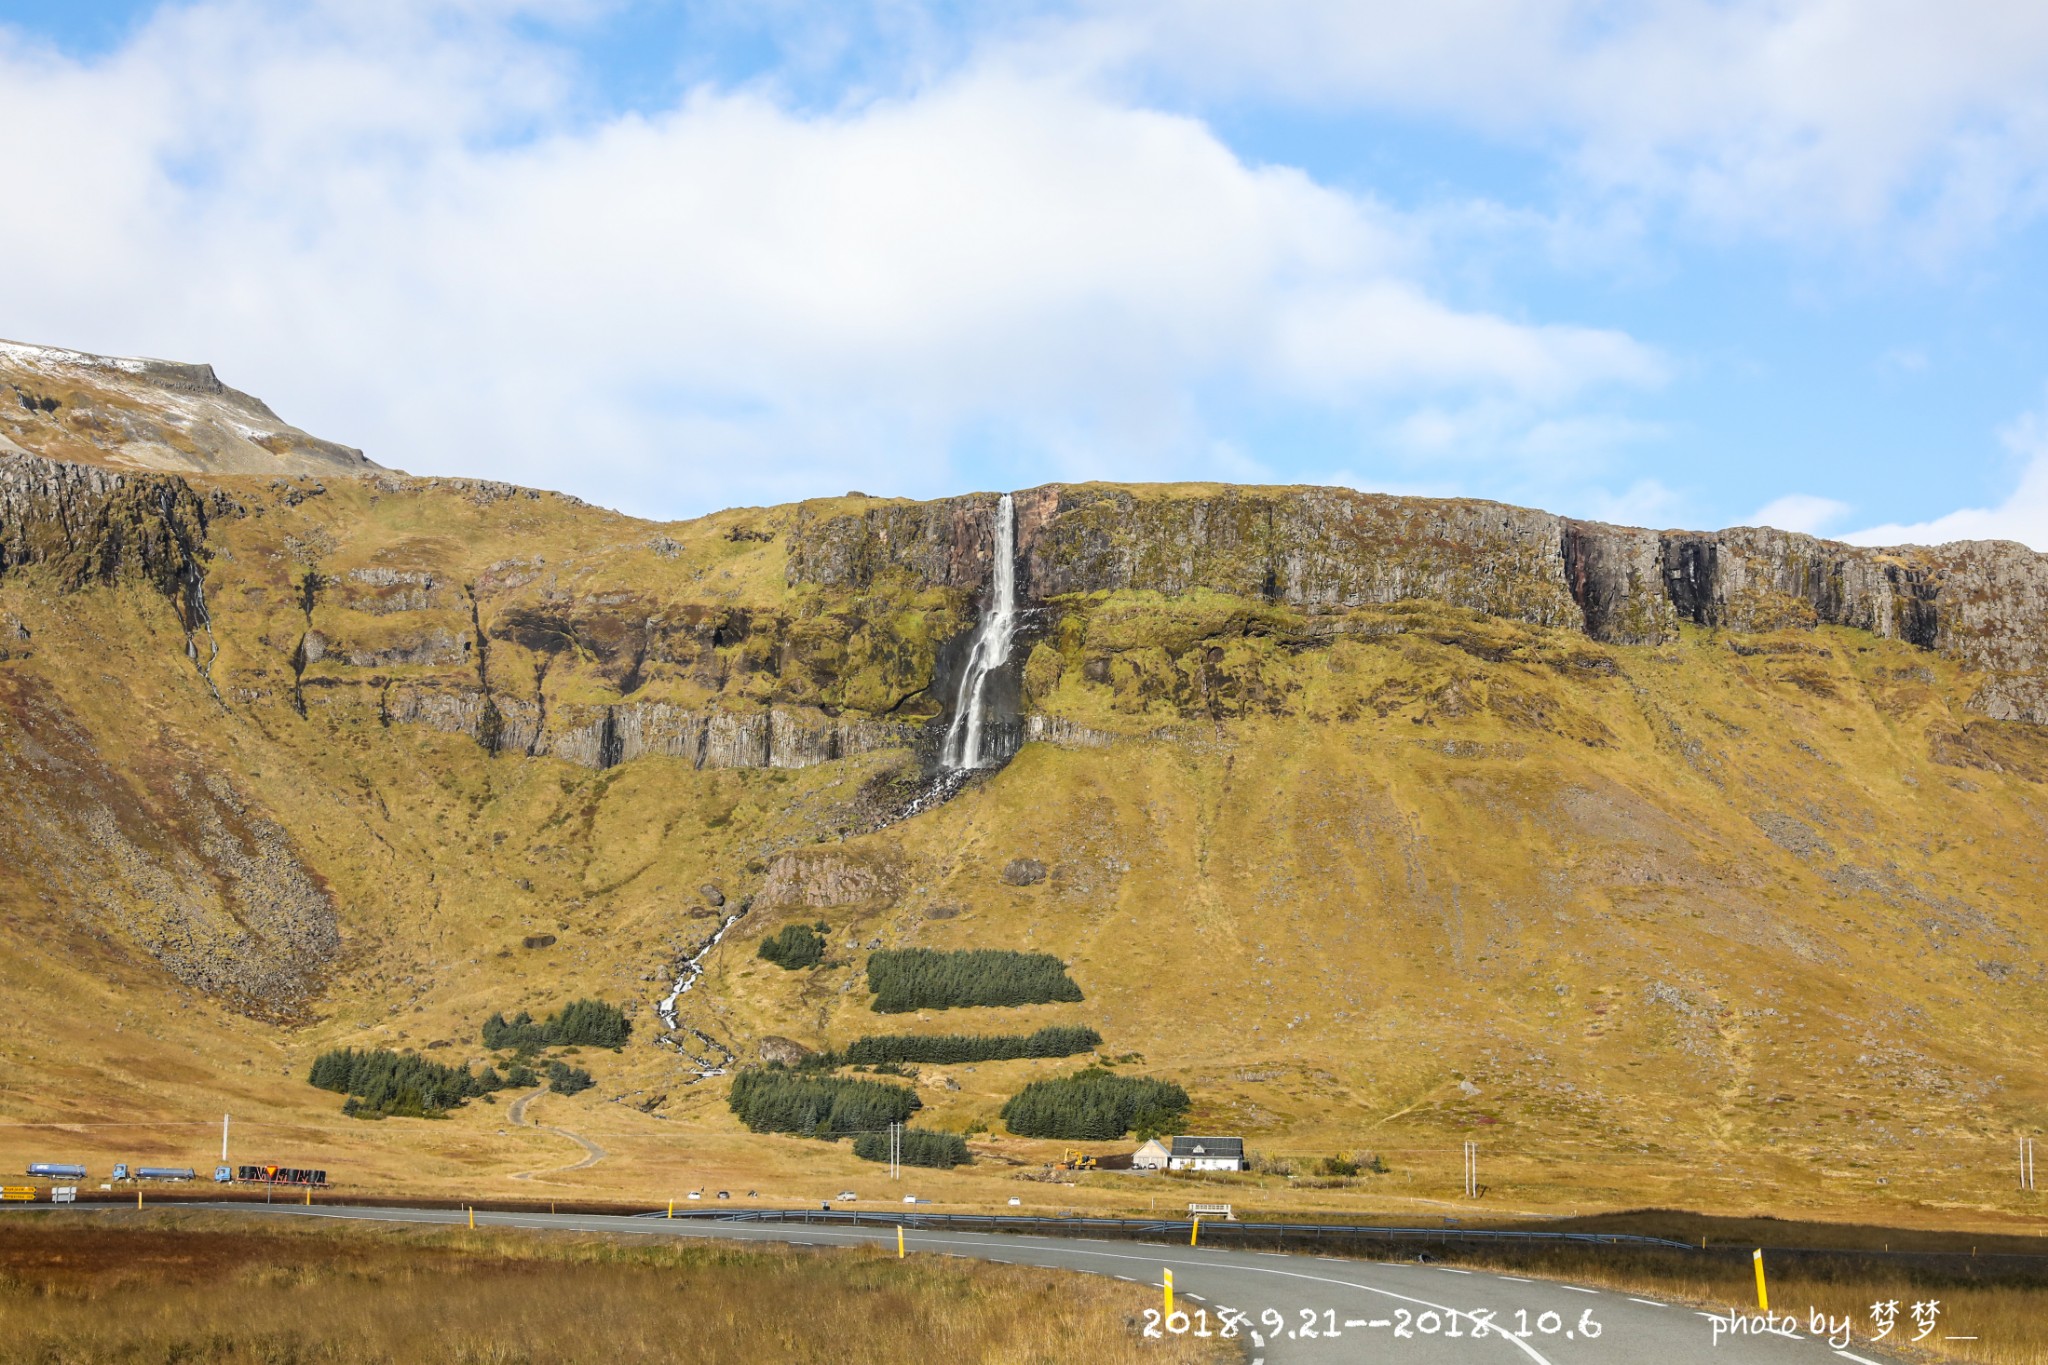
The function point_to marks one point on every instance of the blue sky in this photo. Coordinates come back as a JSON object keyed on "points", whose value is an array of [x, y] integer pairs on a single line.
{"points": [[1691, 262]]}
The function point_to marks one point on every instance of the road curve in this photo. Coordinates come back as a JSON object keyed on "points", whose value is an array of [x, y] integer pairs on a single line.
{"points": [[1329, 1309], [592, 1153]]}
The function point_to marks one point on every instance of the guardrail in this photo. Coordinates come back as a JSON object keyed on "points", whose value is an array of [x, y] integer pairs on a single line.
{"points": [[1176, 1229]]}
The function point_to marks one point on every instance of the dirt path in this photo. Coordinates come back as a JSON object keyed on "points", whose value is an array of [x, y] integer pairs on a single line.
{"points": [[592, 1153]]}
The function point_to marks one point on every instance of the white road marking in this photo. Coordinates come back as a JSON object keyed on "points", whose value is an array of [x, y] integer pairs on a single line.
{"points": [[1576, 1290], [1652, 1302], [1517, 1279], [1858, 1359], [1453, 1270]]}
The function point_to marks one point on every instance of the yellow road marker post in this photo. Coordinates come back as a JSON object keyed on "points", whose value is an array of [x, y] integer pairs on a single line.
{"points": [[671, 1208], [309, 1196], [472, 1217], [138, 1199], [1763, 1296], [899, 1241], [1194, 1232], [1169, 1295]]}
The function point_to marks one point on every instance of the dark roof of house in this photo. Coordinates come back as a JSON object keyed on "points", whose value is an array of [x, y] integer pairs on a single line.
{"points": [[1227, 1147]]}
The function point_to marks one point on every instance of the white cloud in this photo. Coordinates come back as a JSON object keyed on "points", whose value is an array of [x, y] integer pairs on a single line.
{"points": [[397, 224], [1538, 450], [2023, 516], [1646, 502], [1779, 115], [1800, 512]]}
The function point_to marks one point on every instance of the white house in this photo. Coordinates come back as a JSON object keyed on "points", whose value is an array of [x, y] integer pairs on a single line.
{"points": [[1150, 1157], [1206, 1154]]}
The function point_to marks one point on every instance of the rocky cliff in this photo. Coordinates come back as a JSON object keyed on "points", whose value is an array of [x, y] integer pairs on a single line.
{"points": [[1984, 603]]}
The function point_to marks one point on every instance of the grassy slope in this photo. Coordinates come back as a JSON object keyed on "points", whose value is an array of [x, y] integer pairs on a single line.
{"points": [[1445, 877]]}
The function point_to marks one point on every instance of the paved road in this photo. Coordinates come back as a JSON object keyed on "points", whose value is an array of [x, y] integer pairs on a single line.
{"points": [[1358, 1311]]}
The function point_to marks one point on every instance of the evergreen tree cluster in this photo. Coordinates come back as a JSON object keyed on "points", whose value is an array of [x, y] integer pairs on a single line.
{"points": [[906, 979], [921, 1147], [797, 945], [1057, 1040], [779, 1101], [564, 1079], [1095, 1104], [380, 1082], [580, 1023]]}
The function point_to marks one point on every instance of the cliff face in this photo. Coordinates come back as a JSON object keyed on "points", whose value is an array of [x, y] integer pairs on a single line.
{"points": [[1982, 603], [91, 525]]}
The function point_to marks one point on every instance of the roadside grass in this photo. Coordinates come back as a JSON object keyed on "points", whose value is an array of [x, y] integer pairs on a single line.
{"points": [[172, 1286]]}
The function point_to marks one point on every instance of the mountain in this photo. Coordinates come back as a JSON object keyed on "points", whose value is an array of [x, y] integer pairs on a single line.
{"points": [[149, 414], [1702, 868]]}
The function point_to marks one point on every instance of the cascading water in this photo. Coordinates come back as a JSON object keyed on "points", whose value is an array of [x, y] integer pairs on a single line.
{"points": [[691, 970], [967, 738]]}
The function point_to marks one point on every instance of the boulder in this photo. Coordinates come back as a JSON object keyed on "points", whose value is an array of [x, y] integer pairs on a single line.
{"points": [[1024, 872], [711, 893]]}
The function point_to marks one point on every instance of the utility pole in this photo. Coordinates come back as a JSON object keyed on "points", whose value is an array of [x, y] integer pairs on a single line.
{"points": [[2026, 1163], [895, 1151], [1471, 1170], [223, 1139]]}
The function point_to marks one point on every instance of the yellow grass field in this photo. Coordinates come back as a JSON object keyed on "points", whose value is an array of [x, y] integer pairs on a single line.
{"points": [[165, 1286]]}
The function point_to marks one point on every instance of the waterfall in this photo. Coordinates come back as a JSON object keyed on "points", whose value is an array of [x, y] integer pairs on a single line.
{"points": [[965, 746]]}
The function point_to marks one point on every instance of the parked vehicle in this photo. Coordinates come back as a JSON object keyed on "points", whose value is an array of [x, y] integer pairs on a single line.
{"points": [[279, 1175], [57, 1170], [120, 1171], [163, 1173], [223, 1175]]}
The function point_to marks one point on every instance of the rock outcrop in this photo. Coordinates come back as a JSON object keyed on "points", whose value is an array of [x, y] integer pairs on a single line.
{"points": [[825, 879], [1984, 603], [606, 736], [92, 525]]}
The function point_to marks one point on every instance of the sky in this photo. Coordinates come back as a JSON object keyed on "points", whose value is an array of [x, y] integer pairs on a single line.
{"points": [[1689, 263]]}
